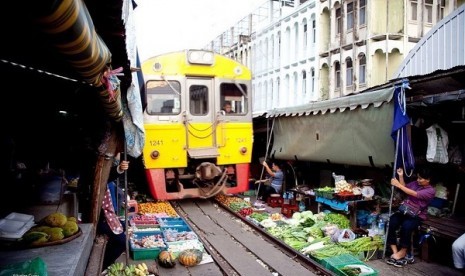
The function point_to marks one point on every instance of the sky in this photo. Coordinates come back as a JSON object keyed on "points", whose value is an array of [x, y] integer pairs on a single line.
{"points": [[171, 25]]}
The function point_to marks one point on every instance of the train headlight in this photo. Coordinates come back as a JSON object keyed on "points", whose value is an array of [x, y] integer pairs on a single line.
{"points": [[243, 150], [238, 71], [200, 57], [155, 154], [157, 66]]}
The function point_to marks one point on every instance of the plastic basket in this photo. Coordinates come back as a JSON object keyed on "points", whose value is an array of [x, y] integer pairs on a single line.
{"points": [[274, 202], [336, 263], [176, 224], [288, 210], [178, 246], [173, 235], [145, 253]]}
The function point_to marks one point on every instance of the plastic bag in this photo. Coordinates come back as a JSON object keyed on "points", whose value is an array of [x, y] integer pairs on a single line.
{"points": [[35, 266], [346, 235]]}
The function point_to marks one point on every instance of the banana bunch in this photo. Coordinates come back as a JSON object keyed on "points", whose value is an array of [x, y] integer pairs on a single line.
{"points": [[141, 269], [119, 269]]}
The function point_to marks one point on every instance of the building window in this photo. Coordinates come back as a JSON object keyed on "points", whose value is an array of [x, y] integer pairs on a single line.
{"points": [[312, 72], [304, 42], [314, 30], [349, 72], [362, 69], [337, 75], [362, 12], [338, 21], [350, 16], [304, 83], [278, 89], [429, 11], [442, 7], [413, 9]]}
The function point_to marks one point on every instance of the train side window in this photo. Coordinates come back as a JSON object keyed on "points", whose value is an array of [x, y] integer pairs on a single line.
{"points": [[198, 95], [163, 97], [235, 95]]}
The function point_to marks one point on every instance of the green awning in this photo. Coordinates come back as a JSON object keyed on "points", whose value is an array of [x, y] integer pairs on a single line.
{"points": [[351, 130]]}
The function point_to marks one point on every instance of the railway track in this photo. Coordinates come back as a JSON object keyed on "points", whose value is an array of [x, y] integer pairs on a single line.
{"points": [[239, 247]]}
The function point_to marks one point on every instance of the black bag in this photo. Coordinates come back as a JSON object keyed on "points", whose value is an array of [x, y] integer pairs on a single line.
{"points": [[409, 210]]}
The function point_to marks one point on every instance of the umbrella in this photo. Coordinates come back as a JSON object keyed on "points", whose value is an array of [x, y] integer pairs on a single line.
{"points": [[403, 154]]}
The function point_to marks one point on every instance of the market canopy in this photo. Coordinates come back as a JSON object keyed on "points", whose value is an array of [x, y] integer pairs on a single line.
{"points": [[352, 130]]}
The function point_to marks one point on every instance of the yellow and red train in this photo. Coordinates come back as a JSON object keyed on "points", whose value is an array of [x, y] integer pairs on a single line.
{"points": [[193, 148]]}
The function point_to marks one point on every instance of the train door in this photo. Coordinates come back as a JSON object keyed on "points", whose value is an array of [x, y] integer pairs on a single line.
{"points": [[200, 118]]}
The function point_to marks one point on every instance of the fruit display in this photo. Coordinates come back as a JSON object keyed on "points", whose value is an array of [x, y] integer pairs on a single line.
{"points": [[53, 228], [159, 207]]}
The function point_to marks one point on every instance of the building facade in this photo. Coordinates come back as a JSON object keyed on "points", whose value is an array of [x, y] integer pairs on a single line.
{"points": [[306, 51]]}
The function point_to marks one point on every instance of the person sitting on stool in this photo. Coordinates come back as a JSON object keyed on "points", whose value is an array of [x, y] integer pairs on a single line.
{"points": [[276, 180]]}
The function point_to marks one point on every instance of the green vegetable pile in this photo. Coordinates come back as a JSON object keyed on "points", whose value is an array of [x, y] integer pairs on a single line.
{"points": [[340, 220], [259, 216]]}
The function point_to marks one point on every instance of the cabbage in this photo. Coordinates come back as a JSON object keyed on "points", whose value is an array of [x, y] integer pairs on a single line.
{"points": [[297, 216]]}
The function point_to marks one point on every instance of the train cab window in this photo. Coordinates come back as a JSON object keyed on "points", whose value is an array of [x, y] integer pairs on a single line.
{"points": [[198, 96], [163, 97], [235, 96]]}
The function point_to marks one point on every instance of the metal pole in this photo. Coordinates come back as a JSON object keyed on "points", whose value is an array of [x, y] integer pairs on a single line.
{"points": [[392, 191], [126, 205], [455, 198]]}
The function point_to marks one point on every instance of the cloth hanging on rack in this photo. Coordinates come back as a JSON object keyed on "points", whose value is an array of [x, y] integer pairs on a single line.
{"points": [[438, 142]]}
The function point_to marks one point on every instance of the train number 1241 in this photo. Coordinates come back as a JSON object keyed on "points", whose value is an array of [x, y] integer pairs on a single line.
{"points": [[156, 142]]}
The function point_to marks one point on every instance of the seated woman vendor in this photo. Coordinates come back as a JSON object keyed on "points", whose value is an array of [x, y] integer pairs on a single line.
{"points": [[419, 194]]}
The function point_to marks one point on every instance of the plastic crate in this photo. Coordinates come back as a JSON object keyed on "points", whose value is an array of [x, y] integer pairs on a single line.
{"points": [[171, 235], [177, 246], [274, 202], [336, 263], [171, 221], [144, 220], [289, 209], [145, 253], [177, 224]]}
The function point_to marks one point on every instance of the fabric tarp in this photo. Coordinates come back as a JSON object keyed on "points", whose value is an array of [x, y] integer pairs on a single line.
{"points": [[352, 130], [70, 29]]}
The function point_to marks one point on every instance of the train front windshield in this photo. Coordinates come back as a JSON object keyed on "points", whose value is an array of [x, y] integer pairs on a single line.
{"points": [[163, 97]]}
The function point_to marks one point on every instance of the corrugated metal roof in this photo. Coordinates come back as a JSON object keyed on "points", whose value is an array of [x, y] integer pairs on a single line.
{"points": [[362, 100], [442, 48]]}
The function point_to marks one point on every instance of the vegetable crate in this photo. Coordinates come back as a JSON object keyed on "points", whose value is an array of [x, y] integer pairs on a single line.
{"points": [[145, 253], [274, 202], [342, 264], [288, 210]]}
